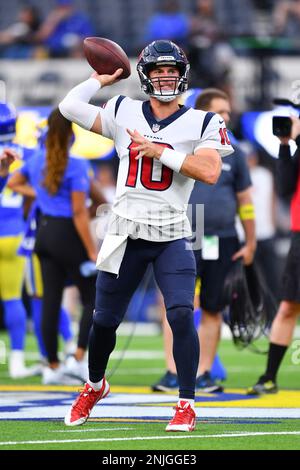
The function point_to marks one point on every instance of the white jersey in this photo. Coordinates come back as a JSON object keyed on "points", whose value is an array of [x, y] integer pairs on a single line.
{"points": [[149, 194]]}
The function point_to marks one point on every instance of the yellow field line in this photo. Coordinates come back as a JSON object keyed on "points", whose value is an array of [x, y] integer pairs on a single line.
{"points": [[283, 399]]}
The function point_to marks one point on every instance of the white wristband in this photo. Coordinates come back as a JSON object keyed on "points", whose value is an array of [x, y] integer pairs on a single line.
{"points": [[172, 159]]}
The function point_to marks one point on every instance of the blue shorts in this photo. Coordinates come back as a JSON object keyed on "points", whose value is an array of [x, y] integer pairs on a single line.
{"points": [[174, 269]]}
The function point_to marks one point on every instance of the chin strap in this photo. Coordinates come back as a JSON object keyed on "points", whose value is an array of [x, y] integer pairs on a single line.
{"points": [[165, 99]]}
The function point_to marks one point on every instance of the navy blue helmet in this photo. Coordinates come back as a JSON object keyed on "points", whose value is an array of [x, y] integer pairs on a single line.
{"points": [[163, 53], [8, 119]]}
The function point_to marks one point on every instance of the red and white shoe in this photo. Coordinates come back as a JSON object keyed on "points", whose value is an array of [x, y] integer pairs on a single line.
{"points": [[84, 403], [184, 418]]}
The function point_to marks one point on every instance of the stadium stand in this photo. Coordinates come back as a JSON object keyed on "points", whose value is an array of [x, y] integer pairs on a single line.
{"points": [[126, 25]]}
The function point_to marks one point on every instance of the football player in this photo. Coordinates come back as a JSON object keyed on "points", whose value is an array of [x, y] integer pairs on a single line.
{"points": [[163, 148], [219, 248], [11, 229], [17, 266], [285, 321], [7, 132]]}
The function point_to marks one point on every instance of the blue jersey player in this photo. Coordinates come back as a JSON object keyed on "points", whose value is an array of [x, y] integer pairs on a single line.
{"points": [[12, 265], [7, 132]]}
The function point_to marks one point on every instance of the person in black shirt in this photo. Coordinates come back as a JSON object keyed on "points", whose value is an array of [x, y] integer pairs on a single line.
{"points": [[229, 196], [281, 335]]}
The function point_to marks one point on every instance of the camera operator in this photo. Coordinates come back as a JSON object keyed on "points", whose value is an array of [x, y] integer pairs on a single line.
{"points": [[288, 184]]}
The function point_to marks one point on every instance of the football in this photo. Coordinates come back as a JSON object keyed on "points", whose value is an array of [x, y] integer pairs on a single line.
{"points": [[106, 56]]}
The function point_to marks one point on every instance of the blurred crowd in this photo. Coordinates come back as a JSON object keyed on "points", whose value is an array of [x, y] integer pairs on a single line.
{"points": [[210, 31], [58, 35]]}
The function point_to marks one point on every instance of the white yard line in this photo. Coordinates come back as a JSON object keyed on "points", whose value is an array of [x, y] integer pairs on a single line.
{"points": [[129, 354], [153, 438], [245, 369], [161, 370]]}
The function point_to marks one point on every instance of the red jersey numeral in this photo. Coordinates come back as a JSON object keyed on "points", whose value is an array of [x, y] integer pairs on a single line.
{"points": [[147, 171], [224, 136]]}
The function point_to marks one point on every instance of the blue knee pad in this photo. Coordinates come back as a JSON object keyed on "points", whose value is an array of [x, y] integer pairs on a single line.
{"points": [[179, 318], [106, 319]]}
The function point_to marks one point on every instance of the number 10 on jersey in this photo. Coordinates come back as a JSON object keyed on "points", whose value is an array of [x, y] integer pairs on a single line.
{"points": [[146, 173]]}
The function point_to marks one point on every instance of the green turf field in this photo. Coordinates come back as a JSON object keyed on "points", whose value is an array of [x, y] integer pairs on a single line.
{"points": [[273, 424], [214, 436]]}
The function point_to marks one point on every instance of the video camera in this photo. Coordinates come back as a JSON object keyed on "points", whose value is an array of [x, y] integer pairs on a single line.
{"points": [[282, 125]]}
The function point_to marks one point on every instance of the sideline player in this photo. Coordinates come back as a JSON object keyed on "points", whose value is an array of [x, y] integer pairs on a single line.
{"points": [[7, 132], [285, 321], [5, 161], [11, 230], [229, 196], [163, 147]]}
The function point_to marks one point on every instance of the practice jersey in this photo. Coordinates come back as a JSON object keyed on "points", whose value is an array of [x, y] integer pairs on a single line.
{"points": [[149, 192]]}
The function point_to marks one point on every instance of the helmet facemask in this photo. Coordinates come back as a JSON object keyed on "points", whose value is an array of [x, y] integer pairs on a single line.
{"points": [[155, 86]]}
